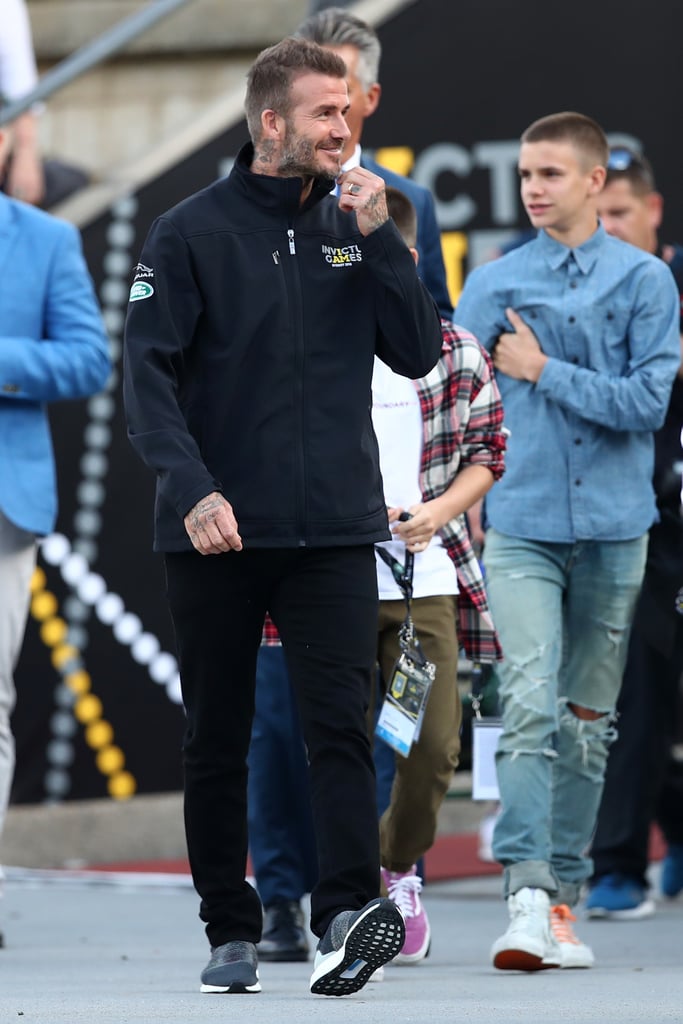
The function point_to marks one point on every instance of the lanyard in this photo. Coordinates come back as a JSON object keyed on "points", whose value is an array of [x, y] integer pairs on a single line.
{"points": [[403, 574]]}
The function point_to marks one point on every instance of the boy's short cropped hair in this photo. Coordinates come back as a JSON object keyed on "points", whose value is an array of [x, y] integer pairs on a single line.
{"points": [[568, 126], [403, 214]]}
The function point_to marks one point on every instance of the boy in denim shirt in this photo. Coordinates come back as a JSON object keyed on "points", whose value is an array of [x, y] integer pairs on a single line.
{"points": [[583, 329]]}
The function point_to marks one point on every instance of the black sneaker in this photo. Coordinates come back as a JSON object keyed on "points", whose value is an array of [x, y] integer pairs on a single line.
{"points": [[233, 967], [284, 934], [355, 944]]}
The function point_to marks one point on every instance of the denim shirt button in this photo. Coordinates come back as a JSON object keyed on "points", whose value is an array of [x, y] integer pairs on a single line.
{"points": [[572, 319]]}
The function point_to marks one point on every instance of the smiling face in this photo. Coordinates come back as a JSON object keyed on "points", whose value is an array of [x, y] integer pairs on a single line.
{"points": [[311, 138], [559, 188]]}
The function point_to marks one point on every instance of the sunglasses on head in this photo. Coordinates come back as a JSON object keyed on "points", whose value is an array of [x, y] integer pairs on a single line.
{"points": [[620, 159]]}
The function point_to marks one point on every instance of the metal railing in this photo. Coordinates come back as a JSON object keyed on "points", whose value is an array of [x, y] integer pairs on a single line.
{"points": [[95, 52]]}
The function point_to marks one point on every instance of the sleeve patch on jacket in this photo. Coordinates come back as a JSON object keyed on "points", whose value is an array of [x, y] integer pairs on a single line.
{"points": [[140, 290]]}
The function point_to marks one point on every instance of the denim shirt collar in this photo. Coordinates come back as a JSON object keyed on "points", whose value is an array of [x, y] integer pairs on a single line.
{"points": [[556, 254]]}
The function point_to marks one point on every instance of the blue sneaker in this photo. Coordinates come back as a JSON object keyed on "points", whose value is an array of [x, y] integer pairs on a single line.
{"points": [[619, 898], [672, 870]]}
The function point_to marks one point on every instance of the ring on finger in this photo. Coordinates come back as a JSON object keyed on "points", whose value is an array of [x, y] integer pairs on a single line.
{"points": [[353, 189]]}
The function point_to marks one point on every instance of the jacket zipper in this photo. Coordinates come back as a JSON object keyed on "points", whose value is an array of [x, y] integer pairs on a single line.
{"points": [[299, 377]]}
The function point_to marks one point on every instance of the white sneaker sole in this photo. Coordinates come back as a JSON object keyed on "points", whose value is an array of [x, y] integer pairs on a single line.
{"points": [[645, 909], [373, 939], [235, 988], [575, 956]]}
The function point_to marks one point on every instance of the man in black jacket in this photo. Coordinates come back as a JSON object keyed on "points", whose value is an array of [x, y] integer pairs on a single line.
{"points": [[256, 312]]}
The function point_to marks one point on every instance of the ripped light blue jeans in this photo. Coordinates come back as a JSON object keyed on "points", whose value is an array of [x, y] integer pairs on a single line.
{"points": [[563, 613]]}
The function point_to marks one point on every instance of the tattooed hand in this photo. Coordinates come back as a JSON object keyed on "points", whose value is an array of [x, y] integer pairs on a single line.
{"points": [[212, 527], [363, 192]]}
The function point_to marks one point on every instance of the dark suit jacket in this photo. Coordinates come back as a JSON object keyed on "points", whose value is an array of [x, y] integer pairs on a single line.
{"points": [[430, 267]]}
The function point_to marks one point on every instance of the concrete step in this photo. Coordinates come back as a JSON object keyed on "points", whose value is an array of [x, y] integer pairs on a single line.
{"points": [[202, 26], [123, 109], [147, 828], [116, 115]]}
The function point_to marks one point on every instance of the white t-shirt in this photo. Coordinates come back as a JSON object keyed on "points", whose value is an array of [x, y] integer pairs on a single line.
{"points": [[397, 421]]}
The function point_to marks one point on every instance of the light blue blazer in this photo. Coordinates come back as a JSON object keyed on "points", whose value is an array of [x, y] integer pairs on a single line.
{"points": [[53, 346]]}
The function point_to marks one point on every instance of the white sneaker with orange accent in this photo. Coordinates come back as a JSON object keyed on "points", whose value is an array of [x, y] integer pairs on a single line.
{"points": [[529, 943], [574, 953]]}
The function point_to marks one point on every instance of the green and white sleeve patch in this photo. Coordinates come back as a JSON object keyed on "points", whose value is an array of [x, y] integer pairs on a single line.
{"points": [[140, 290]]}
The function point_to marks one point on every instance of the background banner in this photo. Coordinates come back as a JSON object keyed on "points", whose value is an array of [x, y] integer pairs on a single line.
{"points": [[98, 710]]}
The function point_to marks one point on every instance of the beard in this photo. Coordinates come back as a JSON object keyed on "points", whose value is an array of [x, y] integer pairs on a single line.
{"points": [[299, 160]]}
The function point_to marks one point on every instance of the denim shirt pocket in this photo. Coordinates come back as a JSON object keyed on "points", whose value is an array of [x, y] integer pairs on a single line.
{"points": [[540, 319], [613, 349]]}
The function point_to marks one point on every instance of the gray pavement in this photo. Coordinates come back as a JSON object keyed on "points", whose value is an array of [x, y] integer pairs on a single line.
{"points": [[130, 951]]}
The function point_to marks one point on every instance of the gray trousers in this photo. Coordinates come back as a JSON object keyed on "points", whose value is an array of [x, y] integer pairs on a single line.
{"points": [[17, 562]]}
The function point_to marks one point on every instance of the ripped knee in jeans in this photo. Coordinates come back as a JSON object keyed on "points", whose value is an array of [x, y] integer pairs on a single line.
{"points": [[593, 732]]}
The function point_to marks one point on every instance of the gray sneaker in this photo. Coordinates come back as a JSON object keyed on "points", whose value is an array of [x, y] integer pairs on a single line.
{"points": [[233, 967], [355, 944]]}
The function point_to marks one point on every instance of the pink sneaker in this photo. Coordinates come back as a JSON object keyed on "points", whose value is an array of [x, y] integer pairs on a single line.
{"points": [[404, 890]]}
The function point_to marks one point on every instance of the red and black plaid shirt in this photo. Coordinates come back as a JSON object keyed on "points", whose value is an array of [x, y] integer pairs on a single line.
{"points": [[462, 415]]}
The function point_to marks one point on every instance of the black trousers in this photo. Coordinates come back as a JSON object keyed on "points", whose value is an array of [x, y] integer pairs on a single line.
{"points": [[641, 783], [324, 604]]}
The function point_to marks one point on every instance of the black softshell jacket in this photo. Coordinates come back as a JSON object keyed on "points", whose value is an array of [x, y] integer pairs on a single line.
{"points": [[250, 339]]}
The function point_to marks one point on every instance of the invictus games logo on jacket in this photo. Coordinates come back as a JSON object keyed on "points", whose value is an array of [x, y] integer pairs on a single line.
{"points": [[342, 256]]}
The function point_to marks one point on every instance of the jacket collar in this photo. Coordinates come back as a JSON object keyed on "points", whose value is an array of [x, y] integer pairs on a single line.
{"points": [[274, 193]]}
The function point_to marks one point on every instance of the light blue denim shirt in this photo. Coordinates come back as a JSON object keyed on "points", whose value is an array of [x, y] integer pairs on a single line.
{"points": [[580, 453]]}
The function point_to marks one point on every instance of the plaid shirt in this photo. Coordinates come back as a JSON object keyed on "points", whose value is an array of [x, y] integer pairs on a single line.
{"points": [[462, 415], [271, 637]]}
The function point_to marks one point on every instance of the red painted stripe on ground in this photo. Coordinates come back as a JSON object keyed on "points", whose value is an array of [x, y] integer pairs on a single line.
{"points": [[451, 857]]}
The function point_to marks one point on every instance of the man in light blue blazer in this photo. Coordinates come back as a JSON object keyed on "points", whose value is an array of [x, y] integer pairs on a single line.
{"points": [[53, 346]]}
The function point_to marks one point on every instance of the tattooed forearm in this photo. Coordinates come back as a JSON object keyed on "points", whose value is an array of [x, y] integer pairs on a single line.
{"points": [[376, 210]]}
